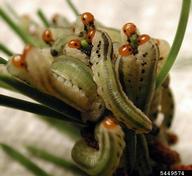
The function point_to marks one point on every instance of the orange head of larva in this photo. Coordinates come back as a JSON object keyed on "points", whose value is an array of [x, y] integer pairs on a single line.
{"points": [[125, 50], [90, 34], [143, 39], [129, 29], [47, 36], [18, 61], [87, 18], [109, 122], [75, 43]]}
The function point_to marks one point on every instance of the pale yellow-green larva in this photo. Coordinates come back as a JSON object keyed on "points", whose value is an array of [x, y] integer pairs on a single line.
{"points": [[104, 160], [109, 87]]}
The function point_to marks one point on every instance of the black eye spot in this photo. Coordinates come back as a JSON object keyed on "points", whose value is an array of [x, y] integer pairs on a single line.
{"points": [[97, 51], [54, 52], [120, 145], [144, 63], [145, 54], [161, 58], [81, 33], [143, 71], [99, 55], [100, 106], [118, 135]]}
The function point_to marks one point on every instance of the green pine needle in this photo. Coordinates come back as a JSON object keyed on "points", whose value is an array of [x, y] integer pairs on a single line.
{"points": [[31, 107], [5, 50], [23, 160], [41, 153], [11, 10], [43, 18], [176, 43], [43, 98], [25, 37], [73, 8], [2, 61]]}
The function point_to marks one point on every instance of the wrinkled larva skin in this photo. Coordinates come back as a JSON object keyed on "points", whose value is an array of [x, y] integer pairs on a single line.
{"points": [[138, 73], [104, 160], [97, 78], [109, 87], [36, 70], [60, 78]]}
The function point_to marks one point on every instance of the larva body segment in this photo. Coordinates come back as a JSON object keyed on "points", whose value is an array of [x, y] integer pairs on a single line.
{"points": [[19, 72], [51, 34], [109, 87], [36, 68], [164, 48], [73, 80], [137, 74], [167, 106], [66, 78], [57, 48], [160, 96], [155, 105], [113, 33], [76, 53], [38, 62], [104, 160], [61, 47]]}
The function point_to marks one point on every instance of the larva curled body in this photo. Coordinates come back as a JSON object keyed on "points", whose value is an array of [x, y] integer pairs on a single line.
{"points": [[109, 87], [104, 160], [60, 78]]}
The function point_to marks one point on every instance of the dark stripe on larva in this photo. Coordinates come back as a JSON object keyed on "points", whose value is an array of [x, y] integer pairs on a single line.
{"points": [[106, 45]]}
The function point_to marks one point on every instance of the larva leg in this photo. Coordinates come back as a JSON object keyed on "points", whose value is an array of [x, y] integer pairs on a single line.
{"points": [[109, 87], [104, 160]]}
